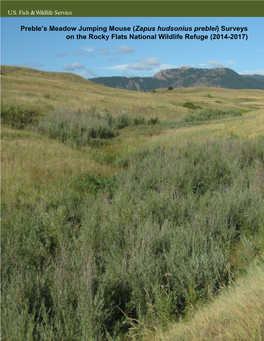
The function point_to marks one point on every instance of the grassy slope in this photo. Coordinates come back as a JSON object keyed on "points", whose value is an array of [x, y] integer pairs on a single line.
{"points": [[32, 164], [50, 90], [65, 90]]}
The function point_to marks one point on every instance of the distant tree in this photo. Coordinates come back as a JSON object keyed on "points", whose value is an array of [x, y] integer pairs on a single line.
{"points": [[170, 88]]}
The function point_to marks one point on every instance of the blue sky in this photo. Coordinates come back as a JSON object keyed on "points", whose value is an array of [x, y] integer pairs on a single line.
{"points": [[51, 51]]}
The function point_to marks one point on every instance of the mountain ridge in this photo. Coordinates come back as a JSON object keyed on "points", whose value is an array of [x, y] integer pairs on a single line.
{"points": [[184, 78]]}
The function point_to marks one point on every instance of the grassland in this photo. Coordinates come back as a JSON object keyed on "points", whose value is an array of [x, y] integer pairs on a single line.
{"points": [[124, 212]]}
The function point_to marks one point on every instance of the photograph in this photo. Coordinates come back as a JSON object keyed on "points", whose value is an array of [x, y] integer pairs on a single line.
{"points": [[132, 171]]}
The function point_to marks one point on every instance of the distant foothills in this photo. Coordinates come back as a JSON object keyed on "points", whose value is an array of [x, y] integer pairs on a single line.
{"points": [[185, 78]]}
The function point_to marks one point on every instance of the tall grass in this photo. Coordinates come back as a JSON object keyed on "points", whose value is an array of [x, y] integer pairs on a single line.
{"points": [[145, 245], [86, 128], [19, 116], [200, 115]]}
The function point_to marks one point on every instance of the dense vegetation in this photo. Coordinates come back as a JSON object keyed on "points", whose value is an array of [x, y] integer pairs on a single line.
{"points": [[127, 211], [210, 114], [18, 116], [145, 244], [87, 128]]}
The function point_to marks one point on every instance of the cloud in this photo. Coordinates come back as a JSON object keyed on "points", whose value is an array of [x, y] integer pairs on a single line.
{"points": [[64, 54], [124, 50], [214, 64], [80, 53], [88, 49], [148, 64], [167, 66], [135, 67], [198, 65], [151, 61], [117, 67], [73, 66], [87, 73], [32, 64], [104, 51], [128, 74], [113, 60], [256, 72], [142, 67], [91, 73]]}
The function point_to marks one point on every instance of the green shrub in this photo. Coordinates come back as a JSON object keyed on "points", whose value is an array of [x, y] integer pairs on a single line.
{"points": [[93, 183], [85, 128], [210, 114], [18, 116], [76, 127], [139, 120], [153, 121], [144, 245], [190, 105]]}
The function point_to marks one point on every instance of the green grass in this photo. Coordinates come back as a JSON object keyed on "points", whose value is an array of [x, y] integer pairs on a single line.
{"points": [[87, 128], [119, 241], [170, 246], [19, 116], [201, 115], [190, 105]]}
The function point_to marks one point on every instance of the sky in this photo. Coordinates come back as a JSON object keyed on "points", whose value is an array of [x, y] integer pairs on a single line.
{"points": [[27, 41]]}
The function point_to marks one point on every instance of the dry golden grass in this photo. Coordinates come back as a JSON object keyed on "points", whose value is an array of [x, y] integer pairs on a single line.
{"points": [[237, 314], [249, 126], [50, 90], [32, 160]]}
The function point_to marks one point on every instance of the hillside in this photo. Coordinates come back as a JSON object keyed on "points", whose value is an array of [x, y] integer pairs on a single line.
{"points": [[185, 78], [46, 91], [122, 212]]}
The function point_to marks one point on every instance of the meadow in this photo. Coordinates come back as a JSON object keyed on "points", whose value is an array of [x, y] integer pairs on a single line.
{"points": [[130, 216]]}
